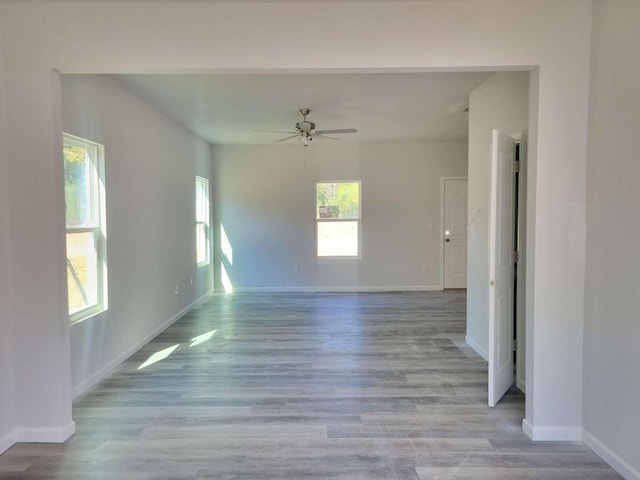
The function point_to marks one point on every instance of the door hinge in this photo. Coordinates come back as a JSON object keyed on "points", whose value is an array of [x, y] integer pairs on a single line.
{"points": [[515, 345], [516, 256], [516, 166]]}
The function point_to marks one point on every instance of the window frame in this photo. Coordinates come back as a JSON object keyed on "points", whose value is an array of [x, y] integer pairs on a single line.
{"points": [[98, 227], [206, 222], [318, 220]]}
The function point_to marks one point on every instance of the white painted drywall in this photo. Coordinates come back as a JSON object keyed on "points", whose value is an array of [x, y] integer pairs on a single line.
{"points": [[611, 412], [265, 199], [7, 384], [150, 164], [501, 102], [375, 36]]}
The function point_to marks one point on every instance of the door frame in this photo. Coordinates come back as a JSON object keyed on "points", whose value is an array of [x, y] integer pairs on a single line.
{"points": [[521, 357], [442, 180]]}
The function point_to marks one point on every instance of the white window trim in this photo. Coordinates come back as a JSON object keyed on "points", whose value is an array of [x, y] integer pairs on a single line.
{"points": [[207, 224], [318, 220], [100, 230]]}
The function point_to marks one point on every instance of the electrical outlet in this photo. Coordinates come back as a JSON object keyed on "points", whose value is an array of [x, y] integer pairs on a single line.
{"points": [[425, 267], [177, 289], [296, 268], [191, 281]]}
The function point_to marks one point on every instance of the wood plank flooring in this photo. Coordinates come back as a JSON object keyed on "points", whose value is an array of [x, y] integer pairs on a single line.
{"points": [[304, 386]]}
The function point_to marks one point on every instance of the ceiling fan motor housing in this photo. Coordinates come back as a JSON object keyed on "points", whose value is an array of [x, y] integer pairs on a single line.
{"points": [[305, 126]]}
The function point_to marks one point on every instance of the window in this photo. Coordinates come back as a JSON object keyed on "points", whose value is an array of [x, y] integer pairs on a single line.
{"points": [[202, 221], [338, 219], [85, 221]]}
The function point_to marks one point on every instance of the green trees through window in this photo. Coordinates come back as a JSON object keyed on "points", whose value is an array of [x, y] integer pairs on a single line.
{"points": [[76, 185], [338, 200]]}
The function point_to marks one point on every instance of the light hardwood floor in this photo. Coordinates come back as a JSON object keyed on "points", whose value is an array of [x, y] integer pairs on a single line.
{"points": [[303, 386]]}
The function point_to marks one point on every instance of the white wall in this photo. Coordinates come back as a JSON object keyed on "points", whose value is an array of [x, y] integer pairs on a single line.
{"points": [[150, 164], [500, 102], [374, 36], [7, 385], [611, 413], [265, 199]]}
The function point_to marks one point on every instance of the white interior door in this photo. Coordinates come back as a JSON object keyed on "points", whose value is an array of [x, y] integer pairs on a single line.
{"points": [[455, 233], [501, 271]]}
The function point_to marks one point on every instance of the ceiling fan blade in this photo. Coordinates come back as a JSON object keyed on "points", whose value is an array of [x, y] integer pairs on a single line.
{"points": [[324, 137], [273, 131], [287, 138], [337, 131]]}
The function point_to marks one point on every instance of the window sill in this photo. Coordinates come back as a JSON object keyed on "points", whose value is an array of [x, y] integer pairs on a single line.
{"points": [[86, 314], [339, 258]]}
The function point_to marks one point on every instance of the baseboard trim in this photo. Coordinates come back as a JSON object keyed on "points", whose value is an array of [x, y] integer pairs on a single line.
{"points": [[342, 289], [36, 435], [552, 434], [7, 441], [45, 435], [609, 456], [100, 374], [476, 347]]}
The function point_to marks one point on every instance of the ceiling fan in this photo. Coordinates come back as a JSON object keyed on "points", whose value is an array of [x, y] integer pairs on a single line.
{"points": [[306, 131]]}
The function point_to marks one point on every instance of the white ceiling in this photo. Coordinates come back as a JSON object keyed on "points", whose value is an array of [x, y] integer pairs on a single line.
{"points": [[229, 108]]}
